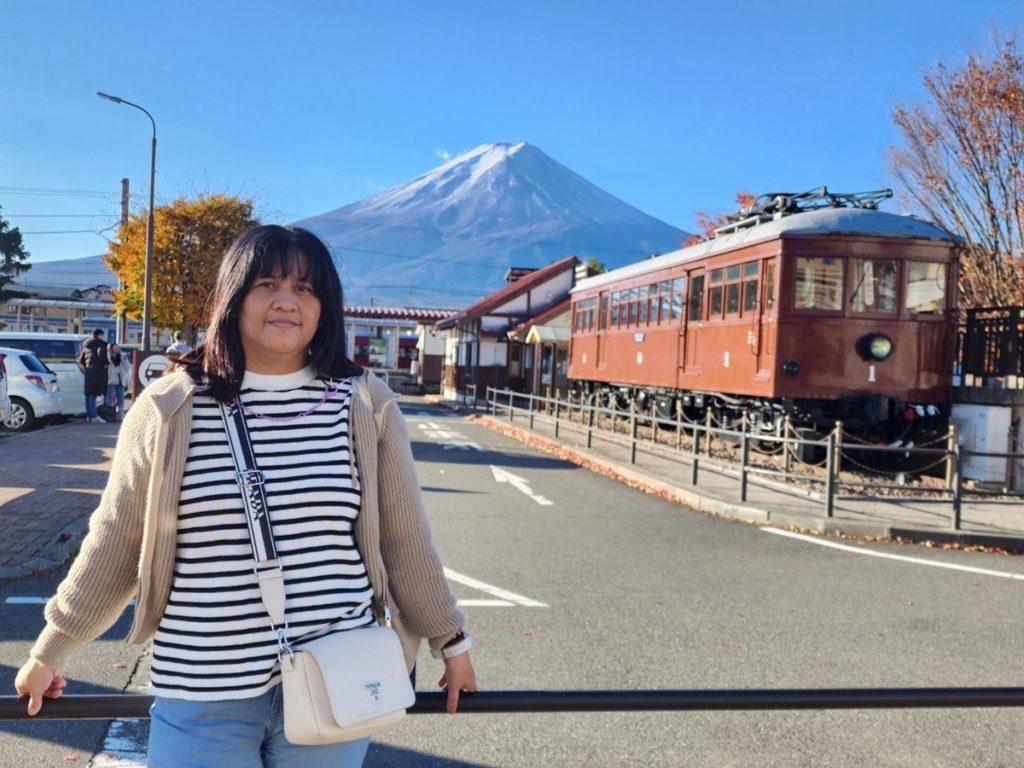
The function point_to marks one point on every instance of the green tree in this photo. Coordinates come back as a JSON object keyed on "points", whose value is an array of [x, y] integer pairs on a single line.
{"points": [[962, 165], [191, 236], [14, 258]]}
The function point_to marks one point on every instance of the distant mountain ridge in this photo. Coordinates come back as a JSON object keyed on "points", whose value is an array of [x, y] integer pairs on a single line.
{"points": [[448, 237]]}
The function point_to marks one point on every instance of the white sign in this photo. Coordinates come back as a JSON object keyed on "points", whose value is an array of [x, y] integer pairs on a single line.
{"points": [[152, 368]]}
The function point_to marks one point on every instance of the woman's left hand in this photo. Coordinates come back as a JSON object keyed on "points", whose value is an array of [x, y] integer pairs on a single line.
{"points": [[458, 677]]}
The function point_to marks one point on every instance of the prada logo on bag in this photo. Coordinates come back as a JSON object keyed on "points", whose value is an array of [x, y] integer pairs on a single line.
{"points": [[373, 688]]}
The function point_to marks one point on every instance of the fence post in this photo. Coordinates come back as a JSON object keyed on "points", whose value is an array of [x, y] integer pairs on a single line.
{"points": [[787, 450], [590, 423], [556, 413], [958, 479], [531, 411], [707, 423], [679, 424], [695, 460], [632, 431], [511, 416], [950, 452], [830, 458], [744, 456], [839, 448]]}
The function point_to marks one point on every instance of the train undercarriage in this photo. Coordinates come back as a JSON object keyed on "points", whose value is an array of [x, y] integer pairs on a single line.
{"points": [[873, 419]]}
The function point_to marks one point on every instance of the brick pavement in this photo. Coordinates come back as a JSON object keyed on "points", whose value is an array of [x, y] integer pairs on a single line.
{"points": [[50, 481]]}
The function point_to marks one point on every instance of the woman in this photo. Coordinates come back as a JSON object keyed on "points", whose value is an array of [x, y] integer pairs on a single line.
{"points": [[116, 381], [347, 516]]}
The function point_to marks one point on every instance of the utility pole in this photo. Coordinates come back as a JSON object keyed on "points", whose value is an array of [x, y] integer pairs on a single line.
{"points": [[121, 325]]}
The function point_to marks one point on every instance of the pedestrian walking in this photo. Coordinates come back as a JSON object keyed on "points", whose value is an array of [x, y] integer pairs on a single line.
{"points": [[180, 346], [117, 380], [341, 494], [92, 361]]}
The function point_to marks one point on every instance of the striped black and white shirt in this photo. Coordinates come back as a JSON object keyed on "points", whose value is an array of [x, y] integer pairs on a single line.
{"points": [[214, 640]]}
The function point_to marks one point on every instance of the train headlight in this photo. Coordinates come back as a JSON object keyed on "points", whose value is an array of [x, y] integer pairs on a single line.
{"points": [[791, 367], [875, 346]]}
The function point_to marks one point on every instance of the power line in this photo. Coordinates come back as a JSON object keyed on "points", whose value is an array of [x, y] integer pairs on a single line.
{"points": [[58, 215], [54, 192]]}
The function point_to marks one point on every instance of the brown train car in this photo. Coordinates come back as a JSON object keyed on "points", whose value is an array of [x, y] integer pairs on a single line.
{"points": [[816, 305]]}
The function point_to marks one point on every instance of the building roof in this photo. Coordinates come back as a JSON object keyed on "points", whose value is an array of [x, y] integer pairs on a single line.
{"points": [[417, 314], [521, 331], [509, 292]]}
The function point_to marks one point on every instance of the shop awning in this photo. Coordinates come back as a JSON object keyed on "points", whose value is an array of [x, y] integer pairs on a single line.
{"points": [[548, 334]]}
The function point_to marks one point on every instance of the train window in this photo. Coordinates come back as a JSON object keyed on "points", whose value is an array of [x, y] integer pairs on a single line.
{"points": [[631, 298], [665, 300], [732, 299], [652, 303], [819, 283], [926, 288], [616, 306], [715, 294], [749, 286], [642, 309], [874, 285], [602, 317], [694, 310], [769, 285], [678, 292]]}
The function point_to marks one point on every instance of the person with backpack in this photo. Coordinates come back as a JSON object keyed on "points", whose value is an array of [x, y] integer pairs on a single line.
{"points": [[92, 361]]}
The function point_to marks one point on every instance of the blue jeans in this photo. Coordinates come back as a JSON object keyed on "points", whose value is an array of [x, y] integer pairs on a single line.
{"points": [[115, 395], [240, 733], [90, 407]]}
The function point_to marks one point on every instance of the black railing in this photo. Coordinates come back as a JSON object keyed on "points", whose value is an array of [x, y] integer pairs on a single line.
{"points": [[836, 447], [116, 706]]}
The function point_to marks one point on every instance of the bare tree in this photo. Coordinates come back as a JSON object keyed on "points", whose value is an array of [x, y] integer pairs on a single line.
{"points": [[962, 163]]}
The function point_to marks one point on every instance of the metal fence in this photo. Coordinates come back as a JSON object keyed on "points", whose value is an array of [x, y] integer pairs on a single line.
{"points": [[835, 448], [135, 706]]}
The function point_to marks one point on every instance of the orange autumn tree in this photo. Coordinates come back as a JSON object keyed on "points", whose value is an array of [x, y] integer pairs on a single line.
{"points": [[962, 165], [708, 222], [190, 238]]}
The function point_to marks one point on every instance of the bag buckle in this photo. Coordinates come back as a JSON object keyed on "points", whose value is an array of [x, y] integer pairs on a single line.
{"points": [[247, 478], [283, 646]]}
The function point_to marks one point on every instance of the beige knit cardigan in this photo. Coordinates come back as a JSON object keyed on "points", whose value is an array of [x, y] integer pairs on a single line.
{"points": [[129, 550]]}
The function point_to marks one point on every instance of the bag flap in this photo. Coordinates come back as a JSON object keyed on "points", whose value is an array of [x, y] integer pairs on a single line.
{"points": [[364, 672]]}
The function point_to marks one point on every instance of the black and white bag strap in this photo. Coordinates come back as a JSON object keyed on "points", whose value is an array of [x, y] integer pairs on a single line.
{"points": [[267, 566]]}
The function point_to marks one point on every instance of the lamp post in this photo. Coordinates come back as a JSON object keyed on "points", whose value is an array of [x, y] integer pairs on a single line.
{"points": [[147, 306]]}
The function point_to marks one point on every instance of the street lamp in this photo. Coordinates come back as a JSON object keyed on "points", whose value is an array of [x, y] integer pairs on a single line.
{"points": [[147, 305]]}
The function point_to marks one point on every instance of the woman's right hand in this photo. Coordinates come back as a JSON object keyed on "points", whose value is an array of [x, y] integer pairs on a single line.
{"points": [[36, 680]]}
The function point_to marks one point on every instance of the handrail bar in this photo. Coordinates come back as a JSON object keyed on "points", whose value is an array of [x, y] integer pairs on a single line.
{"points": [[113, 706]]}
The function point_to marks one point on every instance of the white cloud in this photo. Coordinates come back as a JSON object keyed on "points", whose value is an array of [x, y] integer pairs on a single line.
{"points": [[444, 154]]}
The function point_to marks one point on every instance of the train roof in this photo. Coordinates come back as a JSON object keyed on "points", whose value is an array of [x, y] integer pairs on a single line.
{"points": [[861, 222]]}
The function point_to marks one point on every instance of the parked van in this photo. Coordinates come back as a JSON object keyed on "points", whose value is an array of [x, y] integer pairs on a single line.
{"points": [[59, 352]]}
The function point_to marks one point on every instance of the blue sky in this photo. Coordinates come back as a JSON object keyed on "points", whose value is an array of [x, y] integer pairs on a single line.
{"points": [[308, 106]]}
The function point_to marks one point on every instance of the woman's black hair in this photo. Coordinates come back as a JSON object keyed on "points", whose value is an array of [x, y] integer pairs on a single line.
{"points": [[219, 363]]}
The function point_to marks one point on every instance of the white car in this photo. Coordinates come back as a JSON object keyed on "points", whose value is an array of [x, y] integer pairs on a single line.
{"points": [[59, 353], [5, 401], [32, 388]]}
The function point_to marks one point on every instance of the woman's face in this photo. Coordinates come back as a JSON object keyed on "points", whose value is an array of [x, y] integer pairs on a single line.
{"points": [[278, 320]]}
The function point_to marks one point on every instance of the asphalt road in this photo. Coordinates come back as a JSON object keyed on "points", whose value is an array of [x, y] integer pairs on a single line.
{"points": [[573, 581]]}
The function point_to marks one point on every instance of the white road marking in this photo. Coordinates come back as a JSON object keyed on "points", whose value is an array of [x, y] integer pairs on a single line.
{"points": [[464, 447], [490, 589], [887, 556], [520, 484]]}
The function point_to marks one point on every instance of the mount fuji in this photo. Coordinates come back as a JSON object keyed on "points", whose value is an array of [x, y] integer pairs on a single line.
{"points": [[448, 237]]}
